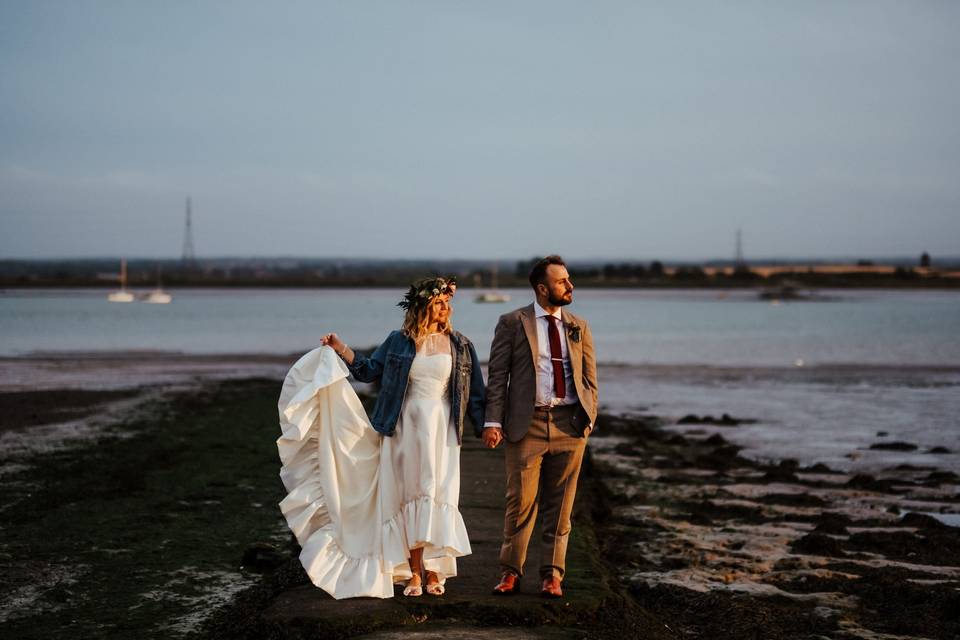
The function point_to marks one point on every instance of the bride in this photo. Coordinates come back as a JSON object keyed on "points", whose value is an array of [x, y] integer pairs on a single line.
{"points": [[375, 501]]}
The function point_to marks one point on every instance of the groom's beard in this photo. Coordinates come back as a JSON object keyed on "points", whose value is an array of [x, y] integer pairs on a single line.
{"points": [[559, 302]]}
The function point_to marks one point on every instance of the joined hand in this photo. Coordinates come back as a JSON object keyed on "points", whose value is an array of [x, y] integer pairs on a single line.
{"points": [[492, 436]]}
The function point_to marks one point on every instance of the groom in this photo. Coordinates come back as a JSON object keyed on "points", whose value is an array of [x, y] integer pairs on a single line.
{"points": [[542, 399]]}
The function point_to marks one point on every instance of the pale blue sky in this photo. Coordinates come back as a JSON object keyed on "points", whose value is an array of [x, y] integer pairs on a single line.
{"points": [[484, 129]]}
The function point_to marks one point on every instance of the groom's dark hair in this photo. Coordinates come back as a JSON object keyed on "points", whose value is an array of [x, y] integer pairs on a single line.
{"points": [[538, 274]]}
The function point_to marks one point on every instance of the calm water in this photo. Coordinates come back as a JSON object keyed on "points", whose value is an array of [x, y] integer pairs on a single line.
{"points": [[630, 327], [822, 378]]}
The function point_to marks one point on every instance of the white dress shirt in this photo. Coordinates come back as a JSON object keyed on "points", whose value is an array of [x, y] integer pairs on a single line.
{"points": [[545, 390]]}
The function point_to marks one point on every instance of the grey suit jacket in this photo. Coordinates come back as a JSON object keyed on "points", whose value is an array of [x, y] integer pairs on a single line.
{"points": [[512, 371]]}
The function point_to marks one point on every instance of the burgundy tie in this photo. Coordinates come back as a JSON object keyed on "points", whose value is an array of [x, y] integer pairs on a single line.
{"points": [[556, 357]]}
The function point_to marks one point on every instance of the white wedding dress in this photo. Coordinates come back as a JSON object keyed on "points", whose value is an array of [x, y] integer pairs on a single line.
{"points": [[420, 471], [358, 502]]}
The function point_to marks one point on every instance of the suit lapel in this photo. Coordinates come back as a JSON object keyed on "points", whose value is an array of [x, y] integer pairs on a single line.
{"points": [[529, 321], [574, 350]]}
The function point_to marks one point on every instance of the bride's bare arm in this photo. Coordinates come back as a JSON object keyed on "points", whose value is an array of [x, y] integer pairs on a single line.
{"points": [[338, 345]]}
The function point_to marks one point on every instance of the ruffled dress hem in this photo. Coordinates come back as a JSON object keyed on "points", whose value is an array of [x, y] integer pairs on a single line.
{"points": [[306, 508], [435, 526]]}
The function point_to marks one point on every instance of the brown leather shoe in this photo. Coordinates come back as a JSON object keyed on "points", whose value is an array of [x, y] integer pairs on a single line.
{"points": [[551, 588], [509, 583]]}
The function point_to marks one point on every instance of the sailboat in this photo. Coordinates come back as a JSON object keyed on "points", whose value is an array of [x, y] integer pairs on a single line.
{"points": [[493, 295], [123, 295], [158, 295]]}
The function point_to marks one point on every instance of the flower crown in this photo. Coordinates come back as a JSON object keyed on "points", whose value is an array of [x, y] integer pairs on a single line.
{"points": [[421, 292]]}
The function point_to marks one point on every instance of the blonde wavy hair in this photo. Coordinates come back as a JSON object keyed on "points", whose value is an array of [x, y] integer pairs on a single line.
{"points": [[416, 322], [417, 303]]}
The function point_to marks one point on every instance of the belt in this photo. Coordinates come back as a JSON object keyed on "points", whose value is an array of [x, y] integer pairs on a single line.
{"points": [[546, 408]]}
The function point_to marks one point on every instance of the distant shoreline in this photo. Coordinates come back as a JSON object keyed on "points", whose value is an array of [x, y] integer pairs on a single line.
{"points": [[943, 273], [820, 283]]}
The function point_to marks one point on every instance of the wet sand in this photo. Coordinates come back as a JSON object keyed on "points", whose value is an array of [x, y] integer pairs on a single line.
{"points": [[105, 370]]}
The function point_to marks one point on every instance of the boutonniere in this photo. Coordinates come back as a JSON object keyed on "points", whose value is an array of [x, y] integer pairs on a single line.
{"points": [[573, 331]]}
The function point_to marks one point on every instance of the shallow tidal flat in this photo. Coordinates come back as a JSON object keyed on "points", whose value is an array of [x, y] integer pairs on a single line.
{"points": [[728, 547]]}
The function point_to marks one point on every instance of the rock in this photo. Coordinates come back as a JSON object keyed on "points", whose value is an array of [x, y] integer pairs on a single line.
{"points": [[939, 450], [921, 521], [626, 449], [715, 440], [900, 545], [673, 563], [938, 477], [793, 499], [700, 519], [911, 609], [832, 523], [817, 544], [725, 420], [729, 451], [869, 483], [819, 468], [262, 557], [881, 434], [715, 460], [780, 474], [708, 512], [894, 446]]}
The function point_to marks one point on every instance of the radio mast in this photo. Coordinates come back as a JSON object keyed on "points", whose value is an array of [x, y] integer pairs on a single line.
{"points": [[188, 256]]}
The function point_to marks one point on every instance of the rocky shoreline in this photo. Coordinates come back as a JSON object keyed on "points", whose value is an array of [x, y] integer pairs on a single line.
{"points": [[728, 547]]}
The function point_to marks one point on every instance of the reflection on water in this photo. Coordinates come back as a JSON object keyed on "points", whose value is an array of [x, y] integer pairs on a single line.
{"points": [[830, 414], [632, 327]]}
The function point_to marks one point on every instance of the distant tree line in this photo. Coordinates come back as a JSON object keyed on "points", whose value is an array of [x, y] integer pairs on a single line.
{"points": [[296, 272]]}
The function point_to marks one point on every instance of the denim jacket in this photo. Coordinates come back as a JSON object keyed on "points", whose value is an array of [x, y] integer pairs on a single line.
{"points": [[390, 364]]}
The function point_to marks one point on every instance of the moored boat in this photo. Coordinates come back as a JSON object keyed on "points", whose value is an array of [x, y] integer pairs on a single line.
{"points": [[123, 295]]}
